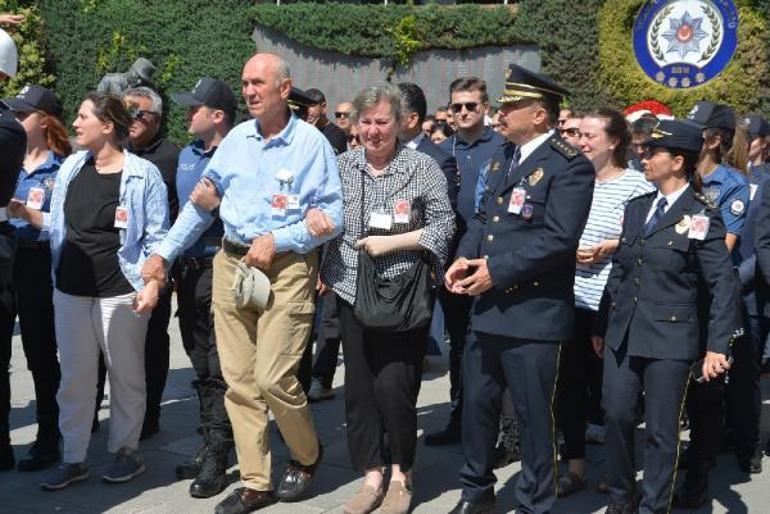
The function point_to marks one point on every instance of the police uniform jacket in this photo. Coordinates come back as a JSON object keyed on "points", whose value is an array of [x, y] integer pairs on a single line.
{"points": [[531, 255], [651, 297]]}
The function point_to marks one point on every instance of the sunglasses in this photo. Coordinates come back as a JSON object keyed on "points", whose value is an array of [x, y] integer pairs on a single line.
{"points": [[571, 132], [469, 106], [145, 115], [341, 114]]}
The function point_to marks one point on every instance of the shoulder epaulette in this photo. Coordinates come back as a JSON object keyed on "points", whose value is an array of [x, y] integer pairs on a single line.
{"points": [[564, 148], [705, 201]]}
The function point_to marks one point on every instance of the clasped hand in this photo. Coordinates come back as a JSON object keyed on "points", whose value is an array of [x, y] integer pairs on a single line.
{"points": [[457, 279]]}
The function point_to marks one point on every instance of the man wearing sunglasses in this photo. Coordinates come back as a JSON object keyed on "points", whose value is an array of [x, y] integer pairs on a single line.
{"points": [[316, 115], [569, 129], [472, 145]]}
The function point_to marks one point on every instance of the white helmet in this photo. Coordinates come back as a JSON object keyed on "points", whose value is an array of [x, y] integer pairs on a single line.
{"points": [[9, 57]]}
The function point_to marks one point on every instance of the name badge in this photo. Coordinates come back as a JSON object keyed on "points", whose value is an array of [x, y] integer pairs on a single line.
{"points": [[699, 227], [292, 202], [381, 220], [36, 198], [121, 217], [401, 211], [278, 204], [518, 197], [752, 191]]}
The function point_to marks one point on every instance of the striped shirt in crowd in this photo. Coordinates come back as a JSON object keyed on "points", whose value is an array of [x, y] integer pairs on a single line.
{"points": [[605, 222]]}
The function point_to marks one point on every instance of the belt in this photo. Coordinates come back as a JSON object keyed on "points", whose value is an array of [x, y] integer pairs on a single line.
{"points": [[28, 244], [235, 248], [197, 263]]}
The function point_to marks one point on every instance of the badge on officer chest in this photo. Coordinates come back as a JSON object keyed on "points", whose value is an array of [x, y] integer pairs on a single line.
{"points": [[699, 227], [684, 225], [535, 177], [712, 193], [121, 217], [36, 198], [495, 166], [527, 211], [518, 196]]}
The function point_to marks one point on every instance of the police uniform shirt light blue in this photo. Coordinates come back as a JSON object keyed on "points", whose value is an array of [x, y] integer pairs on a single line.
{"points": [[729, 189], [193, 160], [42, 177]]}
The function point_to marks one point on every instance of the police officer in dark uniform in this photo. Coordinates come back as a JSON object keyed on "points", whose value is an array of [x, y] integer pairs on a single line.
{"points": [[648, 318], [211, 112], [517, 259], [13, 145]]}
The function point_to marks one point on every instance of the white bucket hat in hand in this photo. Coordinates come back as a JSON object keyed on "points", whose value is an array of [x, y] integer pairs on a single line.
{"points": [[251, 287]]}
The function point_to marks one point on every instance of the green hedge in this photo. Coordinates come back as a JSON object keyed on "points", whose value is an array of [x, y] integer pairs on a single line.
{"points": [[185, 40], [742, 84], [30, 43]]}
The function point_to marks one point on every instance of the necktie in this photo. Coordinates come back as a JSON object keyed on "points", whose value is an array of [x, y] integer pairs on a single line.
{"points": [[660, 210], [514, 162]]}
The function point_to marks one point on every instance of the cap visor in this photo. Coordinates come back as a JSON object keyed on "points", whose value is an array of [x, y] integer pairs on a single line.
{"points": [[18, 105], [692, 123], [186, 99]]}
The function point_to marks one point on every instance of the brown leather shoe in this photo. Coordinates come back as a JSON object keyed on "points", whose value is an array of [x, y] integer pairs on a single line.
{"points": [[244, 500], [297, 477]]}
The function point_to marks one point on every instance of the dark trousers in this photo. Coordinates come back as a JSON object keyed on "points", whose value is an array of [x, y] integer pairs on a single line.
{"points": [[156, 353], [7, 321], [664, 383], [743, 395], [490, 364], [196, 324], [382, 380], [577, 362], [328, 342], [457, 310], [34, 306]]}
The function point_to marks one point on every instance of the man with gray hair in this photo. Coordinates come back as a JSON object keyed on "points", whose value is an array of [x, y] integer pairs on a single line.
{"points": [[268, 173], [146, 140]]}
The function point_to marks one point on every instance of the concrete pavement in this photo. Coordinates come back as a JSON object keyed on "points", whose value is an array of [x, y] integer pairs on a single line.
{"points": [[436, 482]]}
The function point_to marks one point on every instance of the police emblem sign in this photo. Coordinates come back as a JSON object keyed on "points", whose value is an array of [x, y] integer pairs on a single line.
{"points": [[685, 43]]}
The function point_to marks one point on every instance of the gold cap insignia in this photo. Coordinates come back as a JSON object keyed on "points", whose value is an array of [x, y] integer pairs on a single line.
{"points": [[495, 166]]}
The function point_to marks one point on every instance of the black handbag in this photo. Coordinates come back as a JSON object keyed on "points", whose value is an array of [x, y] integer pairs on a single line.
{"points": [[397, 304]]}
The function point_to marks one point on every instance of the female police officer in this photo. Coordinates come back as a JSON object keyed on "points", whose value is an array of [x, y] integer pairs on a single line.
{"points": [[670, 239]]}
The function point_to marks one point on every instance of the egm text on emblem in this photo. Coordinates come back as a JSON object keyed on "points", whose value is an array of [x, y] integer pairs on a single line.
{"points": [[685, 43]]}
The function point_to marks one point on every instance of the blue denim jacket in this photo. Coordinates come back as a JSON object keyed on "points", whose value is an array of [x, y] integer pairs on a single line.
{"points": [[142, 192]]}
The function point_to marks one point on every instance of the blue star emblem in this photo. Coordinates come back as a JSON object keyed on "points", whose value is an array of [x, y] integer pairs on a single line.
{"points": [[684, 34]]}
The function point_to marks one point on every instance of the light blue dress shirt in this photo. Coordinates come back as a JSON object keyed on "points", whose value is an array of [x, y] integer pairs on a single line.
{"points": [[142, 192], [248, 171]]}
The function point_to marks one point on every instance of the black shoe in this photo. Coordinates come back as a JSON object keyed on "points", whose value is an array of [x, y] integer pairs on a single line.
{"points": [[190, 469], [468, 507], [244, 500], [41, 455], [296, 479], [751, 463], [212, 478], [507, 450], [7, 460], [450, 435], [150, 427], [694, 491], [615, 508]]}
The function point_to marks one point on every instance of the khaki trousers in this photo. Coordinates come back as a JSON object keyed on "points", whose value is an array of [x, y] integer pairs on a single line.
{"points": [[260, 352]]}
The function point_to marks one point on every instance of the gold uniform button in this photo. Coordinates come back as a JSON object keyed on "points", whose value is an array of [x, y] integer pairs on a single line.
{"points": [[536, 283], [499, 200], [673, 318], [485, 256], [639, 262], [636, 281], [490, 237], [670, 243], [495, 219], [635, 299]]}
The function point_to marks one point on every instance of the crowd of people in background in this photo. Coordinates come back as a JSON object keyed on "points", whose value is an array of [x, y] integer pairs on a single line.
{"points": [[596, 270]]}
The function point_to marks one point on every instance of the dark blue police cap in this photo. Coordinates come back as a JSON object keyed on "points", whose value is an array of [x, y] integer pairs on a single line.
{"points": [[34, 98], [757, 126], [299, 98], [710, 115], [677, 134], [520, 83], [210, 92]]}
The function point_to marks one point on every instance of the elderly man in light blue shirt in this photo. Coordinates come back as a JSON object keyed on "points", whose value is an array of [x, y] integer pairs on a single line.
{"points": [[269, 172]]}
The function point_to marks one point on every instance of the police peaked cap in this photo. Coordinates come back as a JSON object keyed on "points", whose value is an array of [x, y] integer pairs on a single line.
{"points": [[520, 83], [710, 115], [757, 126], [677, 134]]}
